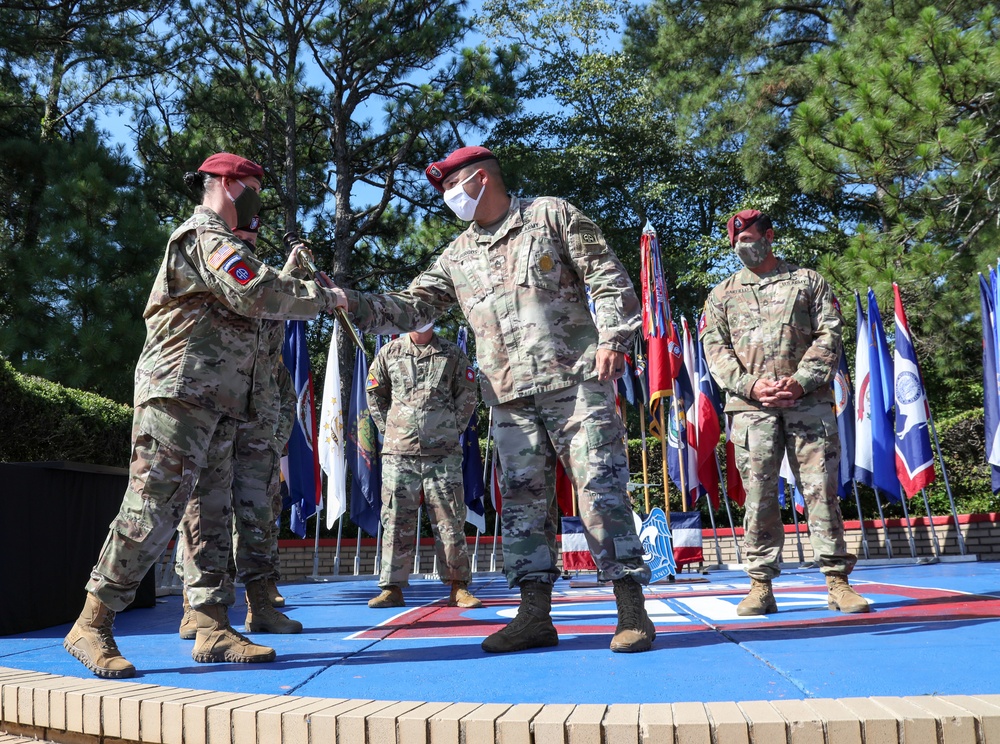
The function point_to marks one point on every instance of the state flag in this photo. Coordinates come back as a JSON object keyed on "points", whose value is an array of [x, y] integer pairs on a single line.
{"points": [[914, 456]]}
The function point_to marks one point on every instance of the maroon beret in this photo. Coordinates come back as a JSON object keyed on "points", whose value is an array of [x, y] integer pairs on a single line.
{"points": [[741, 221], [437, 172], [231, 166]]}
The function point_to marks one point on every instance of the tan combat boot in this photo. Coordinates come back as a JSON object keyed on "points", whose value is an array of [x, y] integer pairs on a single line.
{"points": [[262, 617], [760, 600], [91, 641], [217, 641], [461, 596], [842, 595], [532, 626], [273, 595], [189, 625], [391, 596], [635, 631]]}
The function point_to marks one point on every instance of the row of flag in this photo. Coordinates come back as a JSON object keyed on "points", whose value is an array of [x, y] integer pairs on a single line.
{"points": [[337, 446]]}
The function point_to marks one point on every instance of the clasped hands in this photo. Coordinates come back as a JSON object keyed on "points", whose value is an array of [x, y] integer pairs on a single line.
{"points": [[783, 393]]}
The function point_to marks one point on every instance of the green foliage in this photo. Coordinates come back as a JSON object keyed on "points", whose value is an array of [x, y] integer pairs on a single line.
{"points": [[48, 422]]}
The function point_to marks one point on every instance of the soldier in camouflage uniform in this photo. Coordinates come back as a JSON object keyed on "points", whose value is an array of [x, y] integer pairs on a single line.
{"points": [[520, 273], [421, 394], [194, 386], [257, 451], [772, 339]]}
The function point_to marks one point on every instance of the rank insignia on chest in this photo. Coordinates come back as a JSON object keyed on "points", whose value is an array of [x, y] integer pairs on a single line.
{"points": [[223, 252], [545, 263], [470, 374], [372, 382]]}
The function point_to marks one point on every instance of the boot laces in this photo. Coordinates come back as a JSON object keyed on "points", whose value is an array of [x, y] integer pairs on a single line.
{"points": [[105, 635], [628, 611]]}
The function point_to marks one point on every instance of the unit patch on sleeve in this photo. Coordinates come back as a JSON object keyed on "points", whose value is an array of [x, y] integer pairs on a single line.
{"points": [[470, 374], [372, 382]]}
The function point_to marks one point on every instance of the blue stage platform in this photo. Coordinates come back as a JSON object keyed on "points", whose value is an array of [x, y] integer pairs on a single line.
{"points": [[934, 629]]}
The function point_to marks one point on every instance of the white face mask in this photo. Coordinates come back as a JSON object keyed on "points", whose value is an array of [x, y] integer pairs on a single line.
{"points": [[463, 205]]}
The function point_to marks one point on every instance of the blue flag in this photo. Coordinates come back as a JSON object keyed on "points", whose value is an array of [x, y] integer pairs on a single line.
{"points": [[843, 405], [881, 391], [991, 383], [472, 460], [304, 481], [914, 456], [363, 453], [863, 466]]}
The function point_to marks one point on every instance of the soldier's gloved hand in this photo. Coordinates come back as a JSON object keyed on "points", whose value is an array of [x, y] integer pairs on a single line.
{"points": [[610, 364]]}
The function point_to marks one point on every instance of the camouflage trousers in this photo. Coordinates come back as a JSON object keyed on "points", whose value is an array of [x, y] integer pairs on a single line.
{"points": [[440, 478], [255, 489], [580, 426], [810, 437], [182, 461]]}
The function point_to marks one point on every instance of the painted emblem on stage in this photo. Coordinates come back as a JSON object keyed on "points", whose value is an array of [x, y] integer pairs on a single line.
{"points": [[690, 608], [654, 534]]}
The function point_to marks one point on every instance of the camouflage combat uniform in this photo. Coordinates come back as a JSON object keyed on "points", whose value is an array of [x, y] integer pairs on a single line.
{"points": [[421, 398], [194, 386], [522, 289], [256, 488], [782, 324]]}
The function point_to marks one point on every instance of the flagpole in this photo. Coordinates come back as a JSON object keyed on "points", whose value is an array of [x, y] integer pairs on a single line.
{"points": [[885, 527], [645, 462], [909, 527], [315, 573], [681, 456], [416, 547], [378, 549], [947, 485], [486, 467], [336, 555], [357, 555], [496, 512], [795, 521], [861, 520], [663, 450], [715, 532], [930, 519], [729, 513]]}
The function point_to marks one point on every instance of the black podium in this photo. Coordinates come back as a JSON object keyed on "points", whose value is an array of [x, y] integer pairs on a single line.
{"points": [[54, 517]]}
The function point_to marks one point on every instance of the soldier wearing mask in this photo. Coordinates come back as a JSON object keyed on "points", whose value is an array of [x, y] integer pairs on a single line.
{"points": [[256, 486], [772, 340], [194, 385], [520, 273], [421, 394]]}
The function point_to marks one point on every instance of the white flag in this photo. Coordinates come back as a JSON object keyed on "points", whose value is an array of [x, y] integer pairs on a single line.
{"points": [[331, 436]]}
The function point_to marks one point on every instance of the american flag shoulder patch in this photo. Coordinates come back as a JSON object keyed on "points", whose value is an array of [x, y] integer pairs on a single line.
{"points": [[220, 255]]}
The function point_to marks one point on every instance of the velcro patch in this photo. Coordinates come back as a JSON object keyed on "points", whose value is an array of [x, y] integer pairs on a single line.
{"points": [[223, 252], [470, 374], [588, 237], [241, 272], [372, 382]]}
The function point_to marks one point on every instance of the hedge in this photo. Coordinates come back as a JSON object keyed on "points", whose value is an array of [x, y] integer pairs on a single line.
{"points": [[43, 421]]}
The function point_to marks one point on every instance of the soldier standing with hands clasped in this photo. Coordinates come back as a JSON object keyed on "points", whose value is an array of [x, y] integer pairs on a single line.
{"points": [[520, 273], [421, 394], [772, 340], [194, 384]]}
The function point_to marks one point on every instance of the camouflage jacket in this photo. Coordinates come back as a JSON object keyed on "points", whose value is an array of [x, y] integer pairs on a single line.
{"points": [[523, 290], [421, 397], [778, 325], [202, 318]]}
